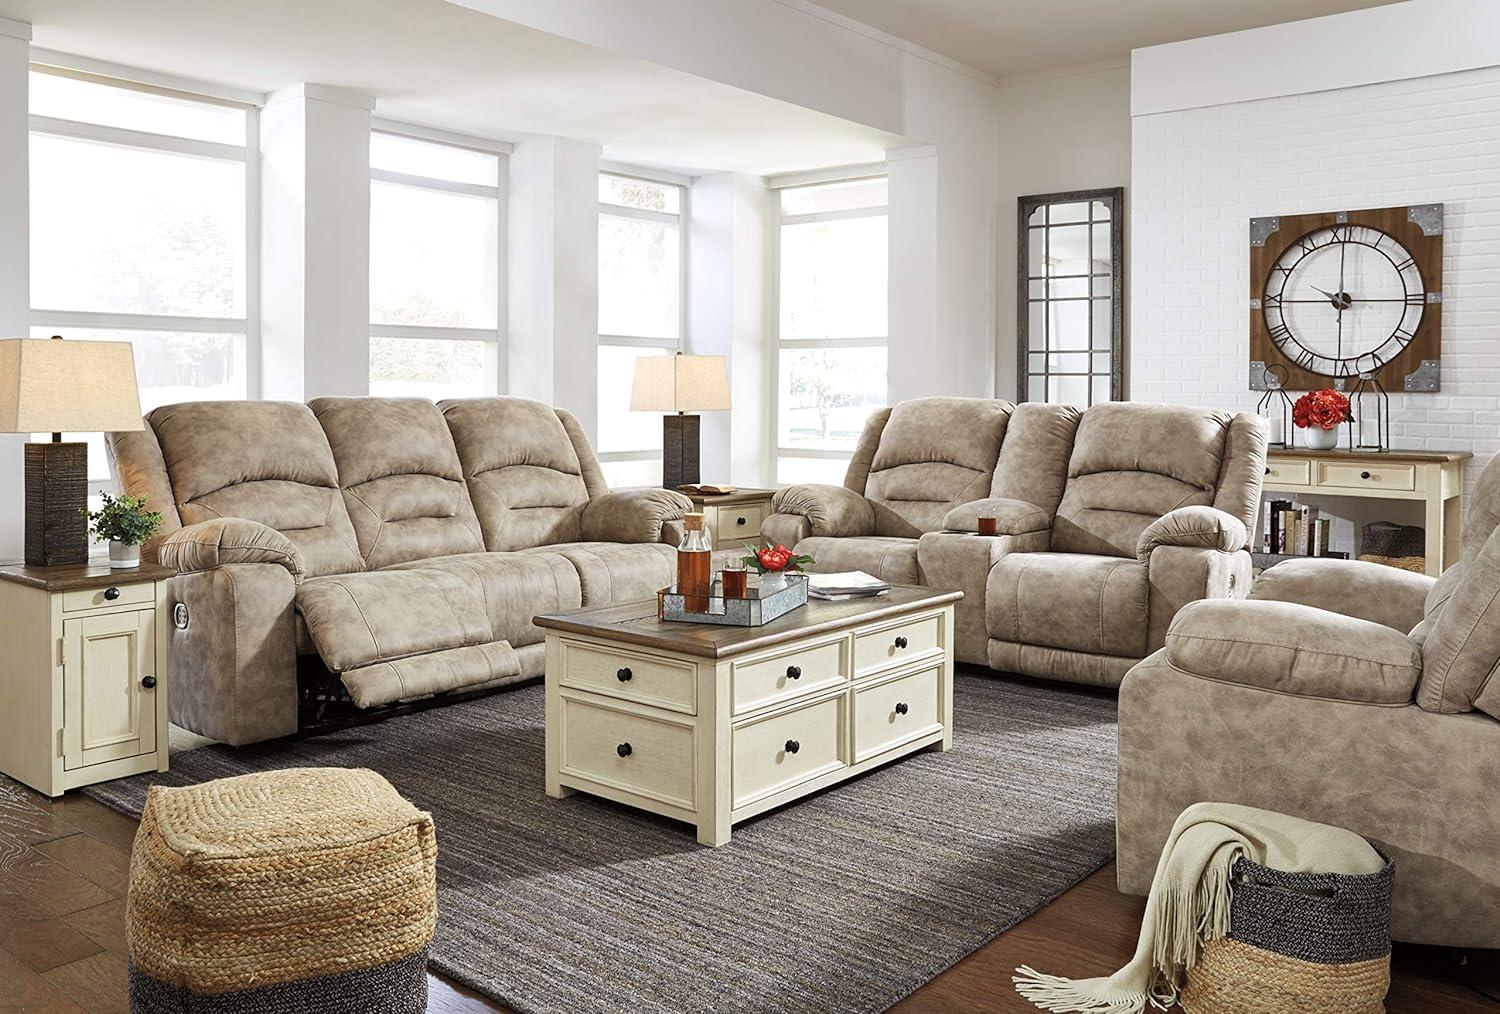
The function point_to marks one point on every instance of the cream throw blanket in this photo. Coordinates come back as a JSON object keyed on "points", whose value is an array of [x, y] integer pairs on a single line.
{"points": [[1189, 901]]}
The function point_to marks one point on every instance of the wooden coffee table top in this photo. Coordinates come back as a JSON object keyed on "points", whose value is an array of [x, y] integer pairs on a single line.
{"points": [[636, 623]]}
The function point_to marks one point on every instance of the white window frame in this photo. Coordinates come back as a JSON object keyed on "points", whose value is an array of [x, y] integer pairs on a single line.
{"points": [[496, 357], [792, 181], [99, 72], [682, 220]]}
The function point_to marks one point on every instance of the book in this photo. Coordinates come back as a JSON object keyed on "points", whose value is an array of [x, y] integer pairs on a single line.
{"points": [[707, 488], [845, 585]]}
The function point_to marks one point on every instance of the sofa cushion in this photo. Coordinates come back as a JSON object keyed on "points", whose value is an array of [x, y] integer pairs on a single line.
{"points": [[1095, 604], [402, 482], [437, 672], [513, 588], [934, 453], [1131, 464], [1033, 463], [614, 572], [381, 615], [886, 557], [526, 478], [267, 461], [1461, 650]]}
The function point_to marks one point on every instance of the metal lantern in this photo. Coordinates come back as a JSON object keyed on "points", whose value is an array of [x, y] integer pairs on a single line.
{"points": [[1370, 405], [1275, 407]]}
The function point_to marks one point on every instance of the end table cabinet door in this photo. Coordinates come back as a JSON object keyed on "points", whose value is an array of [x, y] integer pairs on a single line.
{"points": [[109, 711]]}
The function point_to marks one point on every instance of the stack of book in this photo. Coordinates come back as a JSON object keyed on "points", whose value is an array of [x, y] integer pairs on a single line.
{"points": [[851, 584], [1291, 530]]}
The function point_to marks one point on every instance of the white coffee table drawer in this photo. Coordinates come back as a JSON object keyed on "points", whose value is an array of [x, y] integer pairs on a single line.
{"points": [[788, 675], [640, 754], [630, 676], [896, 711], [771, 754], [889, 646]]}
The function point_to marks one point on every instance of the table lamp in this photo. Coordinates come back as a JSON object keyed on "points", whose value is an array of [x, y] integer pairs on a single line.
{"points": [[48, 385], [680, 384]]}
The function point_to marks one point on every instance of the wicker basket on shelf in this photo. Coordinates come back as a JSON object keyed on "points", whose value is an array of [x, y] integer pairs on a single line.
{"points": [[1403, 546]]}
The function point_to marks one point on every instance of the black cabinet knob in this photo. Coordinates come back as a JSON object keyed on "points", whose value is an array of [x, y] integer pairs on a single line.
{"points": [[793, 672], [624, 674], [901, 708], [149, 682], [900, 642], [110, 594], [741, 521], [623, 750], [792, 746], [1268, 469], [1364, 475]]}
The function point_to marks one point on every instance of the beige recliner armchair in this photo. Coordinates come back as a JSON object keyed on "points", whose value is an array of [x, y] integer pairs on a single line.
{"points": [[1344, 692]]}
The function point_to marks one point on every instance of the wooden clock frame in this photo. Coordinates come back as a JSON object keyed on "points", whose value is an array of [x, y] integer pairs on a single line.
{"points": [[1417, 367]]}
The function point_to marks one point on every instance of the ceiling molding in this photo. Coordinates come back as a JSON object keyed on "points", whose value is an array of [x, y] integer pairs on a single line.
{"points": [[894, 41]]}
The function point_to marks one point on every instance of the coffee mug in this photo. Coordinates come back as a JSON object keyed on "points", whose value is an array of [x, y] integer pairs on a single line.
{"points": [[988, 526]]}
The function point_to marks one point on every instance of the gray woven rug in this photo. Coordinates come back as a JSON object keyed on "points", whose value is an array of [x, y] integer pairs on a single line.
{"points": [[844, 902]]}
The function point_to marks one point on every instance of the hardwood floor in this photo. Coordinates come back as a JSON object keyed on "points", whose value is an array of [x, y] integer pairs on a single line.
{"points": [[64, 862]]}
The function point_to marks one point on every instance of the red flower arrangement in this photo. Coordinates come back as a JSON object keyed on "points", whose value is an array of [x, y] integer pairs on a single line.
{"points": [[1326, 409], [774, 559]]}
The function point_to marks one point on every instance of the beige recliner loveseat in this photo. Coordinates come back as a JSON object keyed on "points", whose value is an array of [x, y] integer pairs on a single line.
{"points": [[401, 545]]}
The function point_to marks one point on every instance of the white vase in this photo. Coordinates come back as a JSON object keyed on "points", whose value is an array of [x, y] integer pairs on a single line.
{"points": [[773, 580], [123, 557], [1318, 439]]}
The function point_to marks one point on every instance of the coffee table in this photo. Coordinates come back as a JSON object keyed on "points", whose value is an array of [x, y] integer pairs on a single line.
{"points": [[712, 725]]}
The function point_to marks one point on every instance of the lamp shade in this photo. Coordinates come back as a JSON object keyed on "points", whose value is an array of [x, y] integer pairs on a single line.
{"points": [[50, 386], [680, 383]]}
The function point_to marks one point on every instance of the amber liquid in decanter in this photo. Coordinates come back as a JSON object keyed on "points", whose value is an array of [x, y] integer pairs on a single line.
{"points": [[694, 565]]}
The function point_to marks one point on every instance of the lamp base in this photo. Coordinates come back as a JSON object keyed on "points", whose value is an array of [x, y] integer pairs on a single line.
{"points": [[679, 450], [57, 493]]}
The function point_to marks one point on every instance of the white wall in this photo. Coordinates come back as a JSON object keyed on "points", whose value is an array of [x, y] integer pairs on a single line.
{"points": [[15, 258], [1201, 172]]}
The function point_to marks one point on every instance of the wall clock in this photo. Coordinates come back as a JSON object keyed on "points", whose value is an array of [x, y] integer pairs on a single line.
{"points": [[1340, 297]]}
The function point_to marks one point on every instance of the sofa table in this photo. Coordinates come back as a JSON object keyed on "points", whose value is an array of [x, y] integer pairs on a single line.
{"points": [[83, 680], [712, 725]]}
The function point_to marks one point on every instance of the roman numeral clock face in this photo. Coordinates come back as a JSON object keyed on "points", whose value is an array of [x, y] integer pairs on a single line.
{"points": [[1343, 300]]}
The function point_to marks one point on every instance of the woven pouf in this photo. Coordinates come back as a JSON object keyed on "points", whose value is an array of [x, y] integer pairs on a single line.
{"points": [[1299, 943], [304, 891]]}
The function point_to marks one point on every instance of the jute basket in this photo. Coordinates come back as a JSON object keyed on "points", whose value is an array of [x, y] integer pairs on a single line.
{"points": [[1299, 943]]}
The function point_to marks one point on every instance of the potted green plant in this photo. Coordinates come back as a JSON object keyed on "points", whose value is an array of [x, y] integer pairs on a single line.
{"points": [[126, 523]]}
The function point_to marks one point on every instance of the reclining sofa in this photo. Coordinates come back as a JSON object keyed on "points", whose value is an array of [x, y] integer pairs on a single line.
{"points": [[400, 546], [1110, 520], [1345, 692]]}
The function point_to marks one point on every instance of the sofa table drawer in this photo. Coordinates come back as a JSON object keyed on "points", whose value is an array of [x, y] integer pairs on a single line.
{"points": [[1353, 475], [1288, 473], [649, 756], [737, 523], [630, 676], [788, 675], [896, 711], [893, 644], [139, 594], [776, 753]]}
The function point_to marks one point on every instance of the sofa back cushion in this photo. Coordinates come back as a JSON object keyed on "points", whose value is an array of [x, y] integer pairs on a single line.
{"points": [[527, 477], [1484, 510], [1033, 465], [1460, 638], [1132, 463], [268, 461], [932, 454], [401, 479]]}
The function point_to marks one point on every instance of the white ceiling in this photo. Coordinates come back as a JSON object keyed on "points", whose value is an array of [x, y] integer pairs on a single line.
{"points": [[441, 65], [1014, 36]]}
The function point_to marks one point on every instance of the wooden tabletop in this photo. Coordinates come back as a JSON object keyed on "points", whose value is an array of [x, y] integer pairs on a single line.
{"points": [[636, 623], [1393, 454], [741, 495], [81, 576]]}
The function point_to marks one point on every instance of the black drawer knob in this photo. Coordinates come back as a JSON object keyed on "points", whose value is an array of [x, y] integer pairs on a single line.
{"points": [[1364, 475], [624, 750], [741, 521], [149, 682], [624, 674], [794, 672], [792, 746], [901, 708], [110, 594], [900, 642], [1268, 469]]}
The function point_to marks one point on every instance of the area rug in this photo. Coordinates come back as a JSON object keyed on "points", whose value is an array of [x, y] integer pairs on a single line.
{"points": [[844, 902]]}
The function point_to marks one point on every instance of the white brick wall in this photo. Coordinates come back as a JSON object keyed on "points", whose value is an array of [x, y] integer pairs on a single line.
{"points": [[1199, 175]]}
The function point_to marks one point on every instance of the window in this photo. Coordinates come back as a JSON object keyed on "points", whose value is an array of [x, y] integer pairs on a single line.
{"points": [[831, 323], [641, 265], [1071, 284], [141, 204], [436, 298]]}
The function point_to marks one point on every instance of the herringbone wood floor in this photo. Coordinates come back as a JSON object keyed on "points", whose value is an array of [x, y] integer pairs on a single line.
{"points": [[64, 864]]}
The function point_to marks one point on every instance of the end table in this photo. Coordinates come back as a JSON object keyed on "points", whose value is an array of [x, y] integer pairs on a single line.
{"points": [[733, 518]]}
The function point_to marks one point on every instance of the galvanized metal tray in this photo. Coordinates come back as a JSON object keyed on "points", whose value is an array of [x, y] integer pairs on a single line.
{"points": [[759, 606]]}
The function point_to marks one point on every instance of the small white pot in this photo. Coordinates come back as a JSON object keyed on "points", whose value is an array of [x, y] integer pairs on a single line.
{"points": [[773, 580], [123, 557], [1318, 439]]}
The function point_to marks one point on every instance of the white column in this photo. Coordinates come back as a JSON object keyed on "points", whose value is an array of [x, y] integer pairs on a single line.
{"points": [[15, 256], [915, 349], [553, 285], [315, 243], [729, 245]]}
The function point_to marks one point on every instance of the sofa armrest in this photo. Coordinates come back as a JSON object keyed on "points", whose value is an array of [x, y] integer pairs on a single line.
{"points": [[1194, 528], [223, 541], [632, 515], [1012, 517], [1389, 596], [830, 510], [1297, 650], [784, 530]]}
